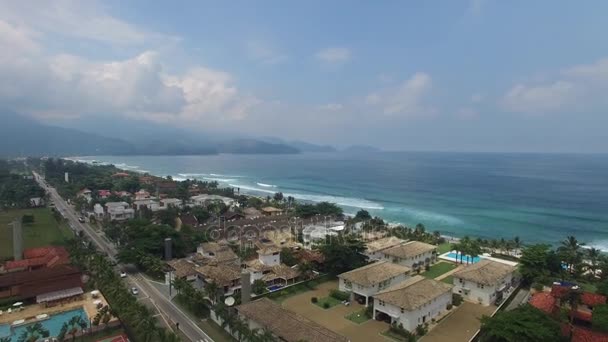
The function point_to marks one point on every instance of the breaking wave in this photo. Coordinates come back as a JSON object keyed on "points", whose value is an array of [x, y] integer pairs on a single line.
{"points": [[266, 185]]}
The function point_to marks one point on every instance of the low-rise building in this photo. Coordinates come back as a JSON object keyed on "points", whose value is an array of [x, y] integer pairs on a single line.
{"points": [[98, 211], [86, 194], [271, 211], [104, 193], [366, 281], [142, 194], [44, 284], [226, 276], [413, 302], [181, 269], [316, 233], [219, 253], [413, 254], [171, 202], [37, 258], [206, 199], [284, 325], [119, 211], [483, 282], [375, 248]]}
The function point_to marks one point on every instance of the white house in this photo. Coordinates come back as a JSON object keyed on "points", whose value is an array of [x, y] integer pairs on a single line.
{"points": [[98, 211], [374, 248], [268, 267], [119, 211], [483, 282], [366, 281], [175, 202], [413, 254], [413, 302], [151, 203], [314, 233], [205, 199], [86, 194]]}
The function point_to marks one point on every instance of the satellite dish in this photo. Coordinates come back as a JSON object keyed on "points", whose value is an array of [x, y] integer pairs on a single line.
{"points": [[229, 301]]}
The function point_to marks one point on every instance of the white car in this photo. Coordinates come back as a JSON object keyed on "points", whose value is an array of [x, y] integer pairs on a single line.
{"points": [[134, 291], [123, 274]]}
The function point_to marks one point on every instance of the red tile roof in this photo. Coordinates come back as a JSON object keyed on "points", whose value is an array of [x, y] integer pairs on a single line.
{"points": [[543, 301], [584, 335], [120, 174], [592, 299], [559, 291], [104, 193], [40, 257]]}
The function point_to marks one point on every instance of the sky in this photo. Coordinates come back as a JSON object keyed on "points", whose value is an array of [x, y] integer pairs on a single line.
{"points": [[470, 75]]}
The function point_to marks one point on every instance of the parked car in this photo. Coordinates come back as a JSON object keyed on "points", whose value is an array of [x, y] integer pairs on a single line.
{"points": [[81, 219], [123, 274], [134, 291]]}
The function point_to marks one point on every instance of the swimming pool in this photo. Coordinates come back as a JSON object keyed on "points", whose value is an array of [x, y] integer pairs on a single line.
{"points": [[465, 258], [53, 324]]}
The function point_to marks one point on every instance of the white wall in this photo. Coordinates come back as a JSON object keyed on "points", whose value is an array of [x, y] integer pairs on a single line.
{"points": [[271, 259], [369, 291], [478, 293], [409, 261], [411, 319]]}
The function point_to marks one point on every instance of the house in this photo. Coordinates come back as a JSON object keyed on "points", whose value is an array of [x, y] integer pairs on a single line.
{"points": [[588, 300], [98, 211], [413, 254], [174, 202], [181, 269], [142, 194], [374, 248], [284, 325], [151, 203], [119, 211], [226, 276], [217, 252], [233, 216], [545, 302], [36, 202], [268, 267], [120, 175], [413, 302], [251, 213], [86, 194], [205, 199], [314, 233], [189, 219], [483, 282], [366, 281], [104, 193], [271, 211], [44, 284], [39, 257]]}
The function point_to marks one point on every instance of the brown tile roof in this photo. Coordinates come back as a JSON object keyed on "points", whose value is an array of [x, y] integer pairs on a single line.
{"points": [[222, 275], [374, 273], [409, 249], [257, 265], [384, 243], [287, 325], [182, 267], [413, 293], [281, 271], [543, 301], [485, 272], [40, 257], [212, 247], [271, 210]]}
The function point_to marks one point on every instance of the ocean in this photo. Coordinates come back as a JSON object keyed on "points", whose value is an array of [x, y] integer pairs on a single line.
{"points": [[538, 197]]}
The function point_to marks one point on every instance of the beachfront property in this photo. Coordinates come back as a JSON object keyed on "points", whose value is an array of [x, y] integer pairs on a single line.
{"points": [[271, 211], [315, 233], [413, 302], [373, 249], [364, 282], [264, 314], [119, 211], [206, 199], [174, 202], [226, 276], [484, 282], [413, 254]]}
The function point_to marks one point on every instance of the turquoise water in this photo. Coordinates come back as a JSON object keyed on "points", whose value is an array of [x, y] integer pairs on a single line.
{"points": [[53, 324], [538, 197], [465, 259]]}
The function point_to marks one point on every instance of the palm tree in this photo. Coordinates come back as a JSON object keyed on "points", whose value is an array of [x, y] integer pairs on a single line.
{"points": [[73, 324], [570, 251], [305, 268], [456, 247], [517, 242], [212, 291], [594, 255], [167, 336], [474, 250], [33, 333]]}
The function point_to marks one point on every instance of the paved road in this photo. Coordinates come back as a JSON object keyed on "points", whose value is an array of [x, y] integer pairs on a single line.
{"points": [[167, 309]]}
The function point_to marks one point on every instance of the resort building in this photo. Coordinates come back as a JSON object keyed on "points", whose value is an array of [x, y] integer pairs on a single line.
{"points": [[205, 199], [216, 252], [413, 302], [483, 282], [226, 276], [366, 281], [37, 258], [42, 284], [119, 211], [264, 314], [374, 248], [413, 254], [181, 269]]}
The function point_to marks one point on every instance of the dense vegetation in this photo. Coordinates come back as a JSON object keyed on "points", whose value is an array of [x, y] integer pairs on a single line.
{"points": [[524, 324], [17, 186]]}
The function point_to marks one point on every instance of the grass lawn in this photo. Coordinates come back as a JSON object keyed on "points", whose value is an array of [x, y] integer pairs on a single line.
{"points": [[358, 317], [439, 269], [329, 300], [444, 248], [281, 295], [448, 280], [43, 231]]}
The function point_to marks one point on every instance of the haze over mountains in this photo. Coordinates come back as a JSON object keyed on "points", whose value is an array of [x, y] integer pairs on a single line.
{"points": [[21, 136]]}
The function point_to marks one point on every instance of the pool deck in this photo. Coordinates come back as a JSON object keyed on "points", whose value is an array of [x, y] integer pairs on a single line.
{"points": [[445, 257], [30, 312]]}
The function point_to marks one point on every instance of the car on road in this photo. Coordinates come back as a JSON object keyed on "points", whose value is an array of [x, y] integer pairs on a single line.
{"points": [[123, 274], [134, 291], [81, 219]]}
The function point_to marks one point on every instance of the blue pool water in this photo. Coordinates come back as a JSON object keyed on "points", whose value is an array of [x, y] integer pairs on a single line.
{"points": [[53, 324], [465, 258]]}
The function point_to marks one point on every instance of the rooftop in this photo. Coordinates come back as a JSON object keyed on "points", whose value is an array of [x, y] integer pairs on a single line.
{"points": [[41, 256], [485, 272], [543, 301], [182, 267], [409, 249], [222, 275], [287, 325], [384, 243], [374, 273], [414, 292]]}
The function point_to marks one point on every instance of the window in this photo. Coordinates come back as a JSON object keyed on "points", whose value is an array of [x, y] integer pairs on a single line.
{"points": [[348, 284], [381, 302], [402, 310]]}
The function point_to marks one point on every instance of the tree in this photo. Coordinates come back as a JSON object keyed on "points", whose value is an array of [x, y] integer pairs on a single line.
{"points": [[593, 255], [342, 255], [306, 269], [33, 333], [570, 251], [599, 320], [533, 263], [278, 197], [287, 257], [602, 288], [362, 215], [258, 287], [524, 324]]}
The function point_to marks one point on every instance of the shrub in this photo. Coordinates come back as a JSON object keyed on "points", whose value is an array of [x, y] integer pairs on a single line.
{"points": [[27, 219], [339, 295], [421, 330], [449, 307], [427, 267], [538, 287], [326, 305], [400, 330], [456, 299], [314, 300]]}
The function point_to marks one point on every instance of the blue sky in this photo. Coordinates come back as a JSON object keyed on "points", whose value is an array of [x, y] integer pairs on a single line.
{"points": [[477, 75]]}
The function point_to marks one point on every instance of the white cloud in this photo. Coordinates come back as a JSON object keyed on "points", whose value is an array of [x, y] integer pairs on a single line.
{"points": [[334, 55], [595, 72], [467, 113], [265, 53], [406, 99], [542, 98]]}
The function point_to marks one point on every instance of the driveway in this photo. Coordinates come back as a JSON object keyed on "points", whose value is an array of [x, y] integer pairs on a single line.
{"points": [[333, 318], [461, 325]]}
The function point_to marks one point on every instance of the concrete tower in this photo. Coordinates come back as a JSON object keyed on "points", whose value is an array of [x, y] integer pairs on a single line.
{"points": [[245, 287]]}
